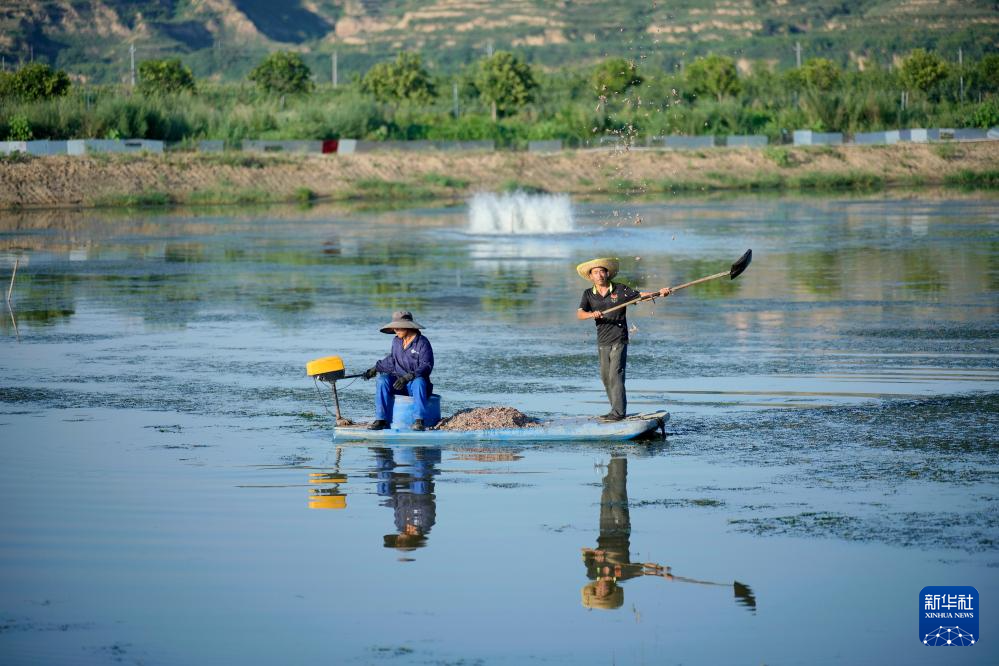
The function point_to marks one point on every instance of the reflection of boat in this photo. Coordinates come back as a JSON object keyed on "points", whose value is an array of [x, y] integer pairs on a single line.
{"points": [[569, 429]]}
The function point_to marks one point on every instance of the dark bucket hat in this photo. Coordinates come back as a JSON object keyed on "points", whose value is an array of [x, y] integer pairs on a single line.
{"points": [[400, 319]]}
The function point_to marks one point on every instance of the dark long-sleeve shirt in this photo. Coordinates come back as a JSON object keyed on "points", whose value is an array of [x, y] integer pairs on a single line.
{"points": [[417, 359]]}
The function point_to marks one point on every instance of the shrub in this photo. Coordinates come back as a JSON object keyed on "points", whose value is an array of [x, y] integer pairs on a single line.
{"points": [[282, 72], [714, 74], [164, 77], [505, 82], [986, 114], [20, 129], [613, 77], [35, 81], [922, 70], [403, 79]]}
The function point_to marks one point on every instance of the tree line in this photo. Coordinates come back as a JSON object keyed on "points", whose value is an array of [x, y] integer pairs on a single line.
{"points": [[504, 98]]}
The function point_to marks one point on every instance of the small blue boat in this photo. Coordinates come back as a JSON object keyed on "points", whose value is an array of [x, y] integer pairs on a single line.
{"points": [[576, 429]]}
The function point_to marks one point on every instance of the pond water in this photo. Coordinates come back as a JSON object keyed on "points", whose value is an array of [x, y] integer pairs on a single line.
{"points": [[171, 491]]}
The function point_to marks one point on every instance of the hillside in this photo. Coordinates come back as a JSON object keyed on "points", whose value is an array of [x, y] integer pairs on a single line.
{"points": [[224, 38]]}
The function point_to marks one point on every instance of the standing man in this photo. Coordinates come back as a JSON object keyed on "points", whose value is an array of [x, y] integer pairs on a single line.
{"points": [[612, 329], [405, 371]]}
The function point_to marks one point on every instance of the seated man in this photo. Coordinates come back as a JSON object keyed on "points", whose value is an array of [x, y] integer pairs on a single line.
{"points": [[405, 371]]}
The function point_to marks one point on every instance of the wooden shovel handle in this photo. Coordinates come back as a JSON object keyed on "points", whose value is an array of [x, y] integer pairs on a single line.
{"points": [[676, 288]]}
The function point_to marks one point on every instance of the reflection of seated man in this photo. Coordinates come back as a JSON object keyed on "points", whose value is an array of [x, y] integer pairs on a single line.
{"points": [[410, 493], [405, 371], [610, 562]]}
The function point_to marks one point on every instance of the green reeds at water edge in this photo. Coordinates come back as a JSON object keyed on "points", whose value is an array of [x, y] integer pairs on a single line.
{"points": [[221, 196], [974, 180], [434, 187]]}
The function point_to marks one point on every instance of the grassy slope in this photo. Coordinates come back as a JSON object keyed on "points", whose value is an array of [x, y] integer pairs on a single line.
{"points": [[236, 177]]}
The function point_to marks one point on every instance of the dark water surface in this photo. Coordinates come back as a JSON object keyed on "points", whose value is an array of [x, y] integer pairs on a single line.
{"points": [[170, 491]]}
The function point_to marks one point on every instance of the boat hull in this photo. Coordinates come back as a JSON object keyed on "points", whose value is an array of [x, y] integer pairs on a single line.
{"points": [[558, 430]]}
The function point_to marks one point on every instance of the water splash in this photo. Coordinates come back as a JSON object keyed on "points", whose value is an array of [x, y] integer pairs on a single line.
{"points": [[520, 213]]}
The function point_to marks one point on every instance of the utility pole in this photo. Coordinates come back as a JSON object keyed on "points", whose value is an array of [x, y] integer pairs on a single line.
{"points": [[489, 48], [454, 97], [334, 68], [131, 53], [797, 54], [960, 62]]}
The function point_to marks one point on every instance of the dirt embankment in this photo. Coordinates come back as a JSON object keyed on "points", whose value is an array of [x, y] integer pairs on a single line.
{"points": [[239, 177]]}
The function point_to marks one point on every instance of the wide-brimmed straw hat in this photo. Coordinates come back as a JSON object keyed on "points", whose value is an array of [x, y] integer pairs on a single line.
{"points": [[400, 319], [612, 264]]}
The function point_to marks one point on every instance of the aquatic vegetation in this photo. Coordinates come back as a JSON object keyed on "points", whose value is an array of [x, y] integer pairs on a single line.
{"points": [[853, 180], [969, 179], [442, 180], [376, 188]]}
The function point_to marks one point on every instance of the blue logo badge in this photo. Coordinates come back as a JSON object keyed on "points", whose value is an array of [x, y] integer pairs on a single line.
{"points": [[948, 616]]}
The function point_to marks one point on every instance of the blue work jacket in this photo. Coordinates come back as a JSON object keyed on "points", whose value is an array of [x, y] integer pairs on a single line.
{"points": [[417, 359]]}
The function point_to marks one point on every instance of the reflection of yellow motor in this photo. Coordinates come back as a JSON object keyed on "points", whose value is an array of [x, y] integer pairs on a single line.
{"points": [[328, 498], [320, 501], [327, 477]]}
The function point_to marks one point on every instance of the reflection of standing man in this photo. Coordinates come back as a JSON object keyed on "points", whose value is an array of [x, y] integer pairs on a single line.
{"points": [[610, 562], [612, 328], [408, 483]]}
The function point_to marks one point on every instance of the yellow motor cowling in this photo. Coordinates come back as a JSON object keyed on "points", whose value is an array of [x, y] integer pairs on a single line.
{"points": [[331, 367]]}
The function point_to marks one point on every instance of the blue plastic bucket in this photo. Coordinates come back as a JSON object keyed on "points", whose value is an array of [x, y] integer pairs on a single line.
{"points": [[403, 413]]}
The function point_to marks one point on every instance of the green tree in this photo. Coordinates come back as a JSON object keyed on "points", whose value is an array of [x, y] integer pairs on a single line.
{"points": [[714, 74], [820, 74], [986, 72], [35, 81], [505, 82], [922, 70], [164, 77], [403, 79], [614, 76], [283, 72]]}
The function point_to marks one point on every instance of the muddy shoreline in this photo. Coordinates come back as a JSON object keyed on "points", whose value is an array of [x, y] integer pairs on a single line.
{"points": [[227, 178]]}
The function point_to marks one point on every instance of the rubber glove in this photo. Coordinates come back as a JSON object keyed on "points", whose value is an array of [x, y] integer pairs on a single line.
{"points": [[402, 381]]}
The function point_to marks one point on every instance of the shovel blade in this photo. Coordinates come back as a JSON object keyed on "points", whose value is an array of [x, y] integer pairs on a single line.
{"points": [[741, 264]]}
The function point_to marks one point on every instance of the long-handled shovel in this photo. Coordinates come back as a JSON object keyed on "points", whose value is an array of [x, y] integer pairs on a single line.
{"points": [[740, 265]]}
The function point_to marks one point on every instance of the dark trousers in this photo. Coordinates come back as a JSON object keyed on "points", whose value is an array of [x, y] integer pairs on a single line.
{"points": [[613, 361]]}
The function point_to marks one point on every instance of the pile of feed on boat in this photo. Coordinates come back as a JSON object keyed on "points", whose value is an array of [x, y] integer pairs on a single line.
{"points": [[487, 418]]}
